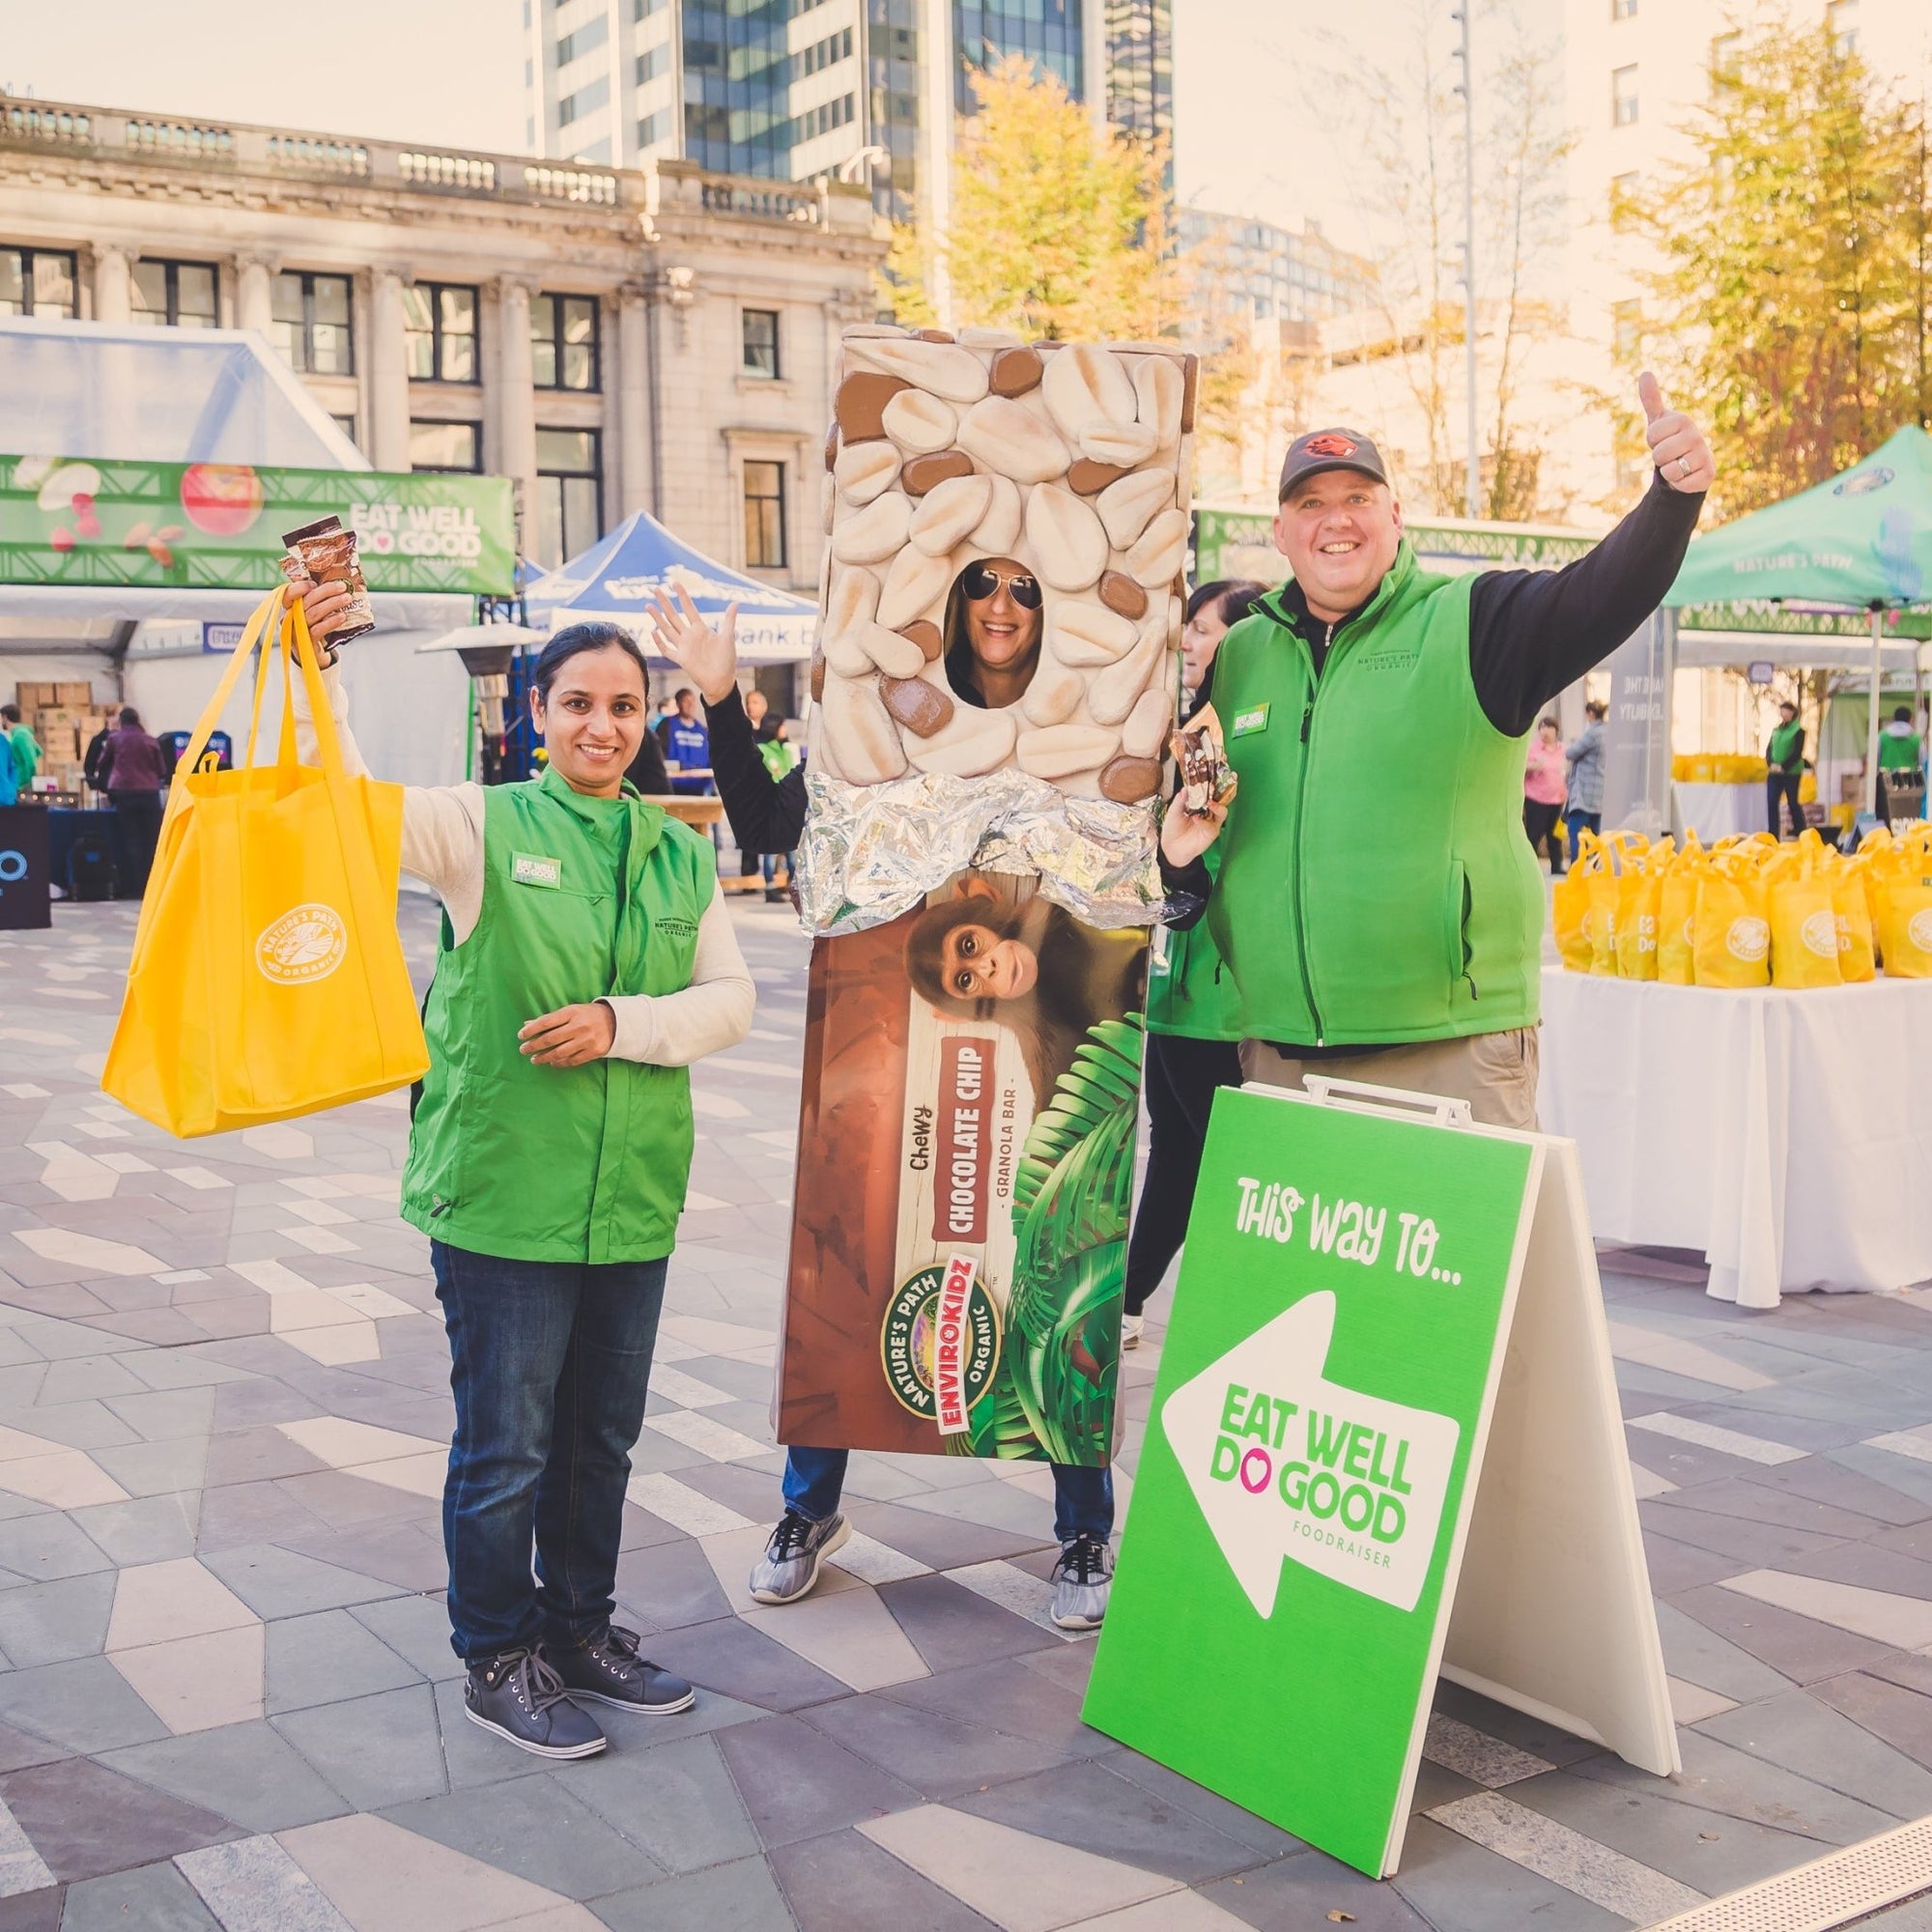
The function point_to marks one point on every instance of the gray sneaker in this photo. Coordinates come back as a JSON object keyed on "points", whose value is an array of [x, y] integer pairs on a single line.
{"points": [[789, 1566], [520, 1697], [608, 1670], [1081, 1582]]}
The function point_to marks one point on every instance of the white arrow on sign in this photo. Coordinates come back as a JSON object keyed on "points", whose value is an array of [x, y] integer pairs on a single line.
{"points": [[1286, 1464]]}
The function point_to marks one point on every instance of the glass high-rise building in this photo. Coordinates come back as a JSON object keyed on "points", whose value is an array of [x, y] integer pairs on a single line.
{"points": [[797, 89]]}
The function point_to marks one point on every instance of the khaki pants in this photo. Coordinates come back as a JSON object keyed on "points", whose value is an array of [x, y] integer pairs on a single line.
{"points": [[1496, 1072]]}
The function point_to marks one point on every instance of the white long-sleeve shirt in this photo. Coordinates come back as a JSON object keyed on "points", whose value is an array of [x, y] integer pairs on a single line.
{"points": [[442, 846]]}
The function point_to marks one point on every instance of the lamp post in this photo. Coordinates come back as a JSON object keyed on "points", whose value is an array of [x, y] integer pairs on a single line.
{"points": [[1472, 489]]}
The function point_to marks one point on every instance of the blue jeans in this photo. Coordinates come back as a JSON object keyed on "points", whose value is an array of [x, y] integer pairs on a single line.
{"points": [[1575, 822], [550, 1363], [1083, 1499], [768, 865]]}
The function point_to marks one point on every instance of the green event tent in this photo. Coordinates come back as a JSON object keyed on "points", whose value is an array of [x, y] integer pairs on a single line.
{"points": [[1862, 540]]}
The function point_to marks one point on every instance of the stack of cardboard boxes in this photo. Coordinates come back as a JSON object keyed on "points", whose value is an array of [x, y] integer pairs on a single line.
{"points": [[64, 718]]}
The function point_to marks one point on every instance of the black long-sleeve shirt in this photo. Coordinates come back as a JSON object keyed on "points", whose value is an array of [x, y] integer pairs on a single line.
{"points": [[1534, 632], [767, 815]]}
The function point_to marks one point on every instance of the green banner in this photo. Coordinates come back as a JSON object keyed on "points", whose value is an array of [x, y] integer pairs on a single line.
{"points": [[1306, 1476], [219, 525]]}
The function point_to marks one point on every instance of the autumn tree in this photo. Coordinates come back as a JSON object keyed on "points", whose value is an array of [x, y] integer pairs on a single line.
{"points": [[1787, 311], [1058, 229], [1404, 119]]}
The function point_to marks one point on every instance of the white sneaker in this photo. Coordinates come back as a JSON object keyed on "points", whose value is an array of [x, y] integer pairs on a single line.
{"points": [[1132, 1326]]}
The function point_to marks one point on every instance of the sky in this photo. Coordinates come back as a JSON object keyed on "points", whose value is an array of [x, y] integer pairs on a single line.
{"points": [[1248, 140]]}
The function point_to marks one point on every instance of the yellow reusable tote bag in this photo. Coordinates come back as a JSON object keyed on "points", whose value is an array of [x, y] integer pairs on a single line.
{"points": [[1638, 896], [1857, 954], [1732, 942], [1677, 914], [1803, 918], [268, 979], [1615, 853], [1570, 906], [1903, 877]]}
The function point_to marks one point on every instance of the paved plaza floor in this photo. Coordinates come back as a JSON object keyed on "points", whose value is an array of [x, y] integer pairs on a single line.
{"points": [[227, 1696]]}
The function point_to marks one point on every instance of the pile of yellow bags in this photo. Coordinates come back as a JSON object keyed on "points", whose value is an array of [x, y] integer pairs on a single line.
{"points": [[1724, 767], [1749, 912]]}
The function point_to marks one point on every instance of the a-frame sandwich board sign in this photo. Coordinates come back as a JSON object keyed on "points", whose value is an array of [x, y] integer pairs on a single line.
{"points": [[1386, 1441]]}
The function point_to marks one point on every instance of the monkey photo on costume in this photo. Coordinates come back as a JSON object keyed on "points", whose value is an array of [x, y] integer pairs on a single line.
{"points": [[996, 950]]}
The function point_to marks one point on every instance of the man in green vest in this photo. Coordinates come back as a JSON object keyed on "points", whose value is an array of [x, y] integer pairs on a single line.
{"points": [[1376, 904], [1900, 759]]}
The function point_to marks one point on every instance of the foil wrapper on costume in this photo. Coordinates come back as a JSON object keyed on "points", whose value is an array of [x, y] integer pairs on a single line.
{"points": [[980, 881], [872, 852]]}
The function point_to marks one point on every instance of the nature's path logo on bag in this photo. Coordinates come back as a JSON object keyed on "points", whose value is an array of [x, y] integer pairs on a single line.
{"points": [[1748, 939], [1919, 929], [1820, 934], [940, 1343], [308, 943], [1286, 1464]]}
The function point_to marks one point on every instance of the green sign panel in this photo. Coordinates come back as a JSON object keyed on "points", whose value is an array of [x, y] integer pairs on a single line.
{"points": [[1307, 1474], [220, 525]]}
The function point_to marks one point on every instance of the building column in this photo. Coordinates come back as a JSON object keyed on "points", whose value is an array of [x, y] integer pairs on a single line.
{"points": [[512, 402], [634, 400], [389, 374], [254, 294], [111, 298]]}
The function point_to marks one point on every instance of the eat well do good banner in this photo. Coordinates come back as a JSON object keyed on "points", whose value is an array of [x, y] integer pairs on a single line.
{"points": [[1305, 1487]]}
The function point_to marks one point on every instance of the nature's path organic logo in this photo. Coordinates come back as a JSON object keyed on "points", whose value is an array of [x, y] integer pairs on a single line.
{"points": [[305, 944], [1286, 1464], [940, 1343], [1748, 939]]}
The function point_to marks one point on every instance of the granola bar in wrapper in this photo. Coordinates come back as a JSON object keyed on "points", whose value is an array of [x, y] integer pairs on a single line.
{"points": [[325, 553], [1203, 763]]}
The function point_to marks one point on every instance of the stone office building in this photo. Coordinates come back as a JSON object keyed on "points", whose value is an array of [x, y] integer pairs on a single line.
{"points": [[658, 338]]}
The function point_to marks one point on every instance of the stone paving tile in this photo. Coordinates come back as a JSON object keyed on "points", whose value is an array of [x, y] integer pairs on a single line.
{"points": [[377, 1750], [282, 1583], [247, 1772], [797, 1783], [742, 1895], [33, 1911], [535, 1829], [844, 1883], [85, 1820], [155, 1898], [951, 1625], [326, 1657], [253, 1886], [729, 1656], [938, 1756], [86, 1705]]}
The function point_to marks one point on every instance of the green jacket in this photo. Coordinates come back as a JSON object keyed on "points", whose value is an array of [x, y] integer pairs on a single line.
{"points": [[1375, 886], [1785, 740], [25, 751], [1898, 751], [1190, 990], [581, 898]]}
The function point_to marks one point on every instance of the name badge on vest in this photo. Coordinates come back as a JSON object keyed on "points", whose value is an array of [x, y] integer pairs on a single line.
{"points": [[1246, 724], [527, 868]]}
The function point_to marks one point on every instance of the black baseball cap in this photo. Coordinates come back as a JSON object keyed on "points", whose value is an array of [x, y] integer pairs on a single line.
{"points": [[1322, 449]]}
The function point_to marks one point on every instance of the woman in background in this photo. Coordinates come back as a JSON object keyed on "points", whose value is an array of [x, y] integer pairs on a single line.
{"points": [[1545, 785], [1190, 1014]]}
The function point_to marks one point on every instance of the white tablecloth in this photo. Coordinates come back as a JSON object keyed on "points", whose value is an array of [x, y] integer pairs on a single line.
{"points": [[1716, 811], [1786, 1136]]}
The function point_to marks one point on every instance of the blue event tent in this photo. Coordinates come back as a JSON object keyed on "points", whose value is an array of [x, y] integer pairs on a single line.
{"points": [[618, 576]]}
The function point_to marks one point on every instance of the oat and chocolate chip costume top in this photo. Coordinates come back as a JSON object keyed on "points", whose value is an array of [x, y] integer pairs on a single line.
{"points": [[1375, 885]]}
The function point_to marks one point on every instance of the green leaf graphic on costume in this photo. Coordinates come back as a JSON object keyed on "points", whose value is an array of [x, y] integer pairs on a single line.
{"points": [[1287, 1465], [1071, 1195]]}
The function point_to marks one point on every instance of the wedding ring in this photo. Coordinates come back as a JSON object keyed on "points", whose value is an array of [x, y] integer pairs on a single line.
{"points": [[1683, 468]]}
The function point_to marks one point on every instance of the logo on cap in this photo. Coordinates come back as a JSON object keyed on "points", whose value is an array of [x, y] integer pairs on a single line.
{"points": [[1330, 445]]}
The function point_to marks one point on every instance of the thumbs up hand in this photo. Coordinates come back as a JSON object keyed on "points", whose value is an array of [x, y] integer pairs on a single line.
{"points": [[1677, 446]]}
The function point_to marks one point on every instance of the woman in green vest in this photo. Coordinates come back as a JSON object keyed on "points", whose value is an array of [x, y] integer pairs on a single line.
{"points": [[1193, 1015], [1784, 760], [586, 959]]}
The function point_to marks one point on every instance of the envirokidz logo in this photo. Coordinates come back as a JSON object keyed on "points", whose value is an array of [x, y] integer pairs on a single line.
{"points": [[1820, 934], [941, 1341], [1748, 939], [1284, 1463]]}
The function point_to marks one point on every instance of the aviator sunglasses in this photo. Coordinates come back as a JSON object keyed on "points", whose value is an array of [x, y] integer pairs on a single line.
{"points": [[981, 581]]}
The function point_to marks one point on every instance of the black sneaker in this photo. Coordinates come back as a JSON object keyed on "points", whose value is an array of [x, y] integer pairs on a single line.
{"points": [[608, 1670], [520, 1697], [798, 1545], [1082, 1579]]}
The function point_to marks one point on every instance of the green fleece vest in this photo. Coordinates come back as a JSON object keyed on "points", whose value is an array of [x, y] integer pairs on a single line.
{"points": [[581, 898], [1375, 886], [1191, 991], [1783, 742]]}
